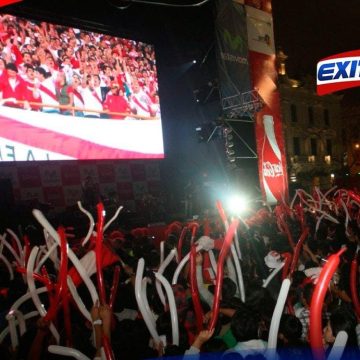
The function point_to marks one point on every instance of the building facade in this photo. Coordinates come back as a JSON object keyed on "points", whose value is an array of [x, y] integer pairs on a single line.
{"points": [[313, 129]]}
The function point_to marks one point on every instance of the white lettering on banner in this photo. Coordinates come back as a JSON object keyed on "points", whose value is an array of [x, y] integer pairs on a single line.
{"points": [[234, 58], [272, 170], [15, 151]]}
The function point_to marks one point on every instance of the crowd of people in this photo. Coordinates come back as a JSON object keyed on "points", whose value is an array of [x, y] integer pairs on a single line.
{"points": [[245, 315], [63, 70]]}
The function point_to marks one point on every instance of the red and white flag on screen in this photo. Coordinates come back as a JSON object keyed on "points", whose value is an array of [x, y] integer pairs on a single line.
{"points": [[30, 135]]}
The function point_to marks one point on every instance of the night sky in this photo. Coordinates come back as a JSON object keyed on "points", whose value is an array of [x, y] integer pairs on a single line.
{"points": [[310, 30]]}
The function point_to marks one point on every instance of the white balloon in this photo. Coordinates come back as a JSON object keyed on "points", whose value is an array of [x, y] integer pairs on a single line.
{"points": [[45, 257], [10, 248], [65, 351], [34, 295], [6, 331], [144, 283], [272, 274], [21, 251], [182, 263], [275, 320], [162, 252], [113, 218], [338, 346], [138, 294], [213, 261], [238, 272], [172, 305], [92, 223], [74, 259], [161, 269]]}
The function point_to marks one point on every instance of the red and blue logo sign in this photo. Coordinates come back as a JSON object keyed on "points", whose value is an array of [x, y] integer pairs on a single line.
{"points": [[338, 72]]}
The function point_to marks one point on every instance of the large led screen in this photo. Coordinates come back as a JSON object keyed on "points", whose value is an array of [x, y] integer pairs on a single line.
{"points": [[66, 93]]}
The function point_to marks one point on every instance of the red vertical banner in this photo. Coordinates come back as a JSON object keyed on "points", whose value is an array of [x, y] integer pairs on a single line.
{"points": [[268, 127]]}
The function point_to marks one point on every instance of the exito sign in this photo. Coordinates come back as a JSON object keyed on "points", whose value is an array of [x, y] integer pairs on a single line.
{"points": [[338, 72]]}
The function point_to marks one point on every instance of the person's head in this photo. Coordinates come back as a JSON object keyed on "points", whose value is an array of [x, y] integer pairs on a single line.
{"points": [[114, 87], [40, 73], [228, 289], [76, 80], [341, 319], [30, 72], [215, 345], [96, 80], [26, 58], [11, 70], [245, 325], [290, 328], [307, 294]]}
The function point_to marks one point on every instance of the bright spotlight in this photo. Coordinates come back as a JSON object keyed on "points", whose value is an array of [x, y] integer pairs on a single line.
{"points": [[238, 204], [194, 61]]}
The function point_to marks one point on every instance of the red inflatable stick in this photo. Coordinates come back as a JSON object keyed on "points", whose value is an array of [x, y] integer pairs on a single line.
{"points": [[285, 270], [220, 272], [98, 251], [316, 306], [207, 228], [193, 226], [63, 289], [221, 212], [27, 248], [107, 348], [354, 196], [180, 242], [297, 251], [38, 277], [61, 286], [199, 315], [354, 287], [114, 286]]}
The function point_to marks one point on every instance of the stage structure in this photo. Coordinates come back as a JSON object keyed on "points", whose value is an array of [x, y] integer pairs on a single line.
{"points": [[249, 96]]}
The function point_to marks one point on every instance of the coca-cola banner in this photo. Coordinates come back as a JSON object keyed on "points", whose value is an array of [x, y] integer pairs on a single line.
{"points": [[232, 51], [268, 127]]}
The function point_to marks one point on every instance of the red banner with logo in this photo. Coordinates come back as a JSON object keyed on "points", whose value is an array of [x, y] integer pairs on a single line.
{"points": [[268, 127]]}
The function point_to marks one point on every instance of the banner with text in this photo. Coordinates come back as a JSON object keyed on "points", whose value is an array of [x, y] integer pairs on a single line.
{"points": [[232, 53]]}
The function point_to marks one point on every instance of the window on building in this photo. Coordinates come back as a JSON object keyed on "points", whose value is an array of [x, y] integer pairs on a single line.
{"points": [[311, 115], [313, 147], [328, 147], [293, 111], [326, 117], [327, 159], [296, 144]]}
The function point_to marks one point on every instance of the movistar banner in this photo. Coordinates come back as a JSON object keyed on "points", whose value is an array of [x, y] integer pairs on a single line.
{"points": [[232, 53]]}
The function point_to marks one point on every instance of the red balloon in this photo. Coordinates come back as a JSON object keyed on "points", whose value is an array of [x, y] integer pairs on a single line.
{"points": [[220, 272], [317, 301], [98, 251], [199, 315], [298, 249], [221, 211], [180, 242], [286, 267]]}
